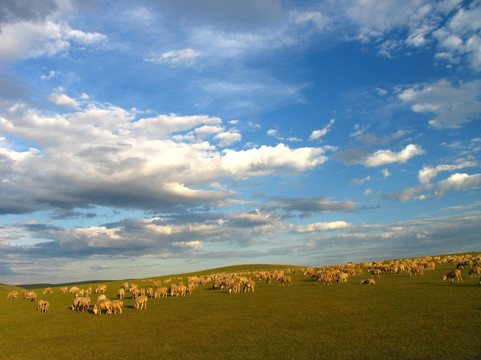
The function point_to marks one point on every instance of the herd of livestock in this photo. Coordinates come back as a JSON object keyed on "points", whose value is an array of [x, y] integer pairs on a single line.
{"points": [[240, 282]]}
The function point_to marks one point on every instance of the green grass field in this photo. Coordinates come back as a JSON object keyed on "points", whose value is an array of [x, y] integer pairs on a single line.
{"points": [[401, 317]]}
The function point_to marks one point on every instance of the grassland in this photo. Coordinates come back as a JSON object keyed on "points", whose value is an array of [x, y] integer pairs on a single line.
{"points": [[400, 317]]}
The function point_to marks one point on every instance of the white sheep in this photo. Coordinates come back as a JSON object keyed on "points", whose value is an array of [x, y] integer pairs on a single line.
{"points": [[141, 302], [43, 306], [103, 304]]}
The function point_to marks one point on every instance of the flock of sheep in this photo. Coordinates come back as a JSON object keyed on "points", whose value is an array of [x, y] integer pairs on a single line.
{"points": [[239, 282]]}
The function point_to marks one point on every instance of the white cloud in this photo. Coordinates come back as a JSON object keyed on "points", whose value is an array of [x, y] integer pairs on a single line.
{"points": [[457, 182], [268, 160], [316, 134], [175, 58], [427, 173], [228, 138], [188, 244], [385, 173], [452, 106], [383, 157], [320, 227], [63, 100], [32, 39]]}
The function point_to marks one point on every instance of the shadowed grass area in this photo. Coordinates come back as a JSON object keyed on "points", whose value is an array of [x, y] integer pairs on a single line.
{"points": [[401, 317]]}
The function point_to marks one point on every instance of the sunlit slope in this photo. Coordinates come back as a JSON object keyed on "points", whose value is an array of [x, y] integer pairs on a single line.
{"points": [[401, 316]]}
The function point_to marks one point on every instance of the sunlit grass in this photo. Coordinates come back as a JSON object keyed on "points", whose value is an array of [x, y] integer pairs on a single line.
{"points": [[400, 317]]}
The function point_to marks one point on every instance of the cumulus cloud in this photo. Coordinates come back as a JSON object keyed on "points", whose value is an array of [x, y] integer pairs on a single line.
{"points": [[63, 100], [428, 172], [101, 156], [33, 39], [383, 157], [268, 160], [449, 105], [457, 182]]}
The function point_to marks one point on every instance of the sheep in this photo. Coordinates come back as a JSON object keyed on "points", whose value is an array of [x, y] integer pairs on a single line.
{"points": [[375, 272], [121, 294], [285, 280], [474, 272], [134, 293], [43, 306], [32, 296], [103, 304], [141, 302], [117, 305], [63, 290], [81, 303], [84, 303], [235, 287], [101, 288], [368, 282], [249, 286], [161, 292], [149, 292], [12, 295], [126, 286], [74, 290], [47, 291], [342, 277], [452, 275]]}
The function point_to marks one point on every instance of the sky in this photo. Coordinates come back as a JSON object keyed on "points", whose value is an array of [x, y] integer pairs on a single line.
{"points": [[146, 138]]}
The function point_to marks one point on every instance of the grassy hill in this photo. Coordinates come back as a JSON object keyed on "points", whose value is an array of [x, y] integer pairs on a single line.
{"points": [[401, 317]]}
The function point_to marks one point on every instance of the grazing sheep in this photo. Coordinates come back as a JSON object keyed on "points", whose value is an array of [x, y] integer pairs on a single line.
{"points": [[461, 264], [63, 290], [474, 272], [101, 288], [43, 306], [32, 296], [84, 303], [149, 292], [81, 303], [342, 277], [126, 286], [415, 270], [12, 295], [454, 274], [161, 292], [121, 294], [368, 282], [235, 287], [134, 293], [285, 280], [103, 304], [23, 293], [141, 302], [117, 305], [249, 286], [375, 272], [74, 290], [47, 291]]}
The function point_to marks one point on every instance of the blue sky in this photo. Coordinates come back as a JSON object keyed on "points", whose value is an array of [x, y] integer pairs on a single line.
{"points": [[153, 137]]}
